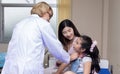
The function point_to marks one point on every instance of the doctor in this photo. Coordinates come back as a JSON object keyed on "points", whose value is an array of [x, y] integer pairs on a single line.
{"points": [[27, 46]]}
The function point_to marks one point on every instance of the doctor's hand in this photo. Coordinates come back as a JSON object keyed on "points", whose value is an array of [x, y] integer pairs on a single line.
{"points": [[73, 56]]}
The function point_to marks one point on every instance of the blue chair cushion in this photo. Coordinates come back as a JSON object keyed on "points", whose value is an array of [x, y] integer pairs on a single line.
{"points": [[104, 71], [2, 59]]}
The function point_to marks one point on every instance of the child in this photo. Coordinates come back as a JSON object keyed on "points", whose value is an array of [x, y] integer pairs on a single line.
{"points": [[88, 60]]}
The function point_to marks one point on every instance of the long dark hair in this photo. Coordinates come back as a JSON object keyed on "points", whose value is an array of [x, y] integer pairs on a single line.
{"points": [[62, 25], [86, 44]]}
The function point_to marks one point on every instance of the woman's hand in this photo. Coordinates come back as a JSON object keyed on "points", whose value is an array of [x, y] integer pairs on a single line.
{"points": [[73, 56]]}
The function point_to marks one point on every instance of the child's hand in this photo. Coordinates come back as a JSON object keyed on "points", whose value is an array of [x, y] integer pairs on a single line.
{"points": [[73, 56], [58, 63]]}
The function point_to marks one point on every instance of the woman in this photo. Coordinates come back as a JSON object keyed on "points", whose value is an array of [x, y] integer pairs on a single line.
{"points": [[67, 34]]}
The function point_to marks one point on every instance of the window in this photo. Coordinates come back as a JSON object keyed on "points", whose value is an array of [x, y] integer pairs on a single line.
{"points": [[13, 11]]}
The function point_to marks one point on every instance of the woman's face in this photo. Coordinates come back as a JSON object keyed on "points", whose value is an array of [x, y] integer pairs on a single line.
{"points": [[68, 33], [77, 45]]}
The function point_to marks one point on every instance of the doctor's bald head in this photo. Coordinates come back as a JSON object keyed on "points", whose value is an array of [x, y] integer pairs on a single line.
{"points": [[41, 9]]}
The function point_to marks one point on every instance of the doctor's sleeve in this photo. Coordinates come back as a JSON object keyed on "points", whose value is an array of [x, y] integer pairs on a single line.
{"points": [[53, 44]]}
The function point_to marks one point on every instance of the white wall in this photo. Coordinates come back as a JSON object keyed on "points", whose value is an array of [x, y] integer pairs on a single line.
{"points": [[87, 16], [3, 47], [114, 35], [100, 19]]}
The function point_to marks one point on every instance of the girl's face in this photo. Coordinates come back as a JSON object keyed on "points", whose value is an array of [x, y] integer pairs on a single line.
{"points": [[77, 45], [68, 33]]}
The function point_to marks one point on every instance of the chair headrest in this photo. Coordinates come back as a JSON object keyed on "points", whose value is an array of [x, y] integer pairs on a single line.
{"points": [[104, 63]]}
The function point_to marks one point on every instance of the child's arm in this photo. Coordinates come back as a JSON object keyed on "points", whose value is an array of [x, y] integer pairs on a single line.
{"points": [[87, 68]]}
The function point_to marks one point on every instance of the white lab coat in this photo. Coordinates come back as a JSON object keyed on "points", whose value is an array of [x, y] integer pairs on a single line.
{"points": [[27, 47]]}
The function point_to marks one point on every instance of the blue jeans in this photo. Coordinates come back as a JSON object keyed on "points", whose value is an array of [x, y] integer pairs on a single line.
{"points": [[75, 65]]}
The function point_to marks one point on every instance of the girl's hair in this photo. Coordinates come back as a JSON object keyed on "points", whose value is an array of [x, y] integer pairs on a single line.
{"points": [[41, 8], [62, 25], [86, 44]]}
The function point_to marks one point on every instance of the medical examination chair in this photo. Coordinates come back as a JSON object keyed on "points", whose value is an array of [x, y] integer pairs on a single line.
{"points": [[104, 65], [2, 60], [49, 61]]}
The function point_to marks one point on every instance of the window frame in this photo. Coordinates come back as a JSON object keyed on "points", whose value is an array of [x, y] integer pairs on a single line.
{"points": [[2, 6]]}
